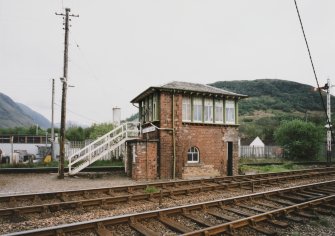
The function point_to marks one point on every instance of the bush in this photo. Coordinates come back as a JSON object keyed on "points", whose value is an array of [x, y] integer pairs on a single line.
{"points": [[301, 140]]}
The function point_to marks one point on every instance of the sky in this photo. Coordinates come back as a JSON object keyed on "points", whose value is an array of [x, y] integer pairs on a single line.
{"points": [[119, 48]]}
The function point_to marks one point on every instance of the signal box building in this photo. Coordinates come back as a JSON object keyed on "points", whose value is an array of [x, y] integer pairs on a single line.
{"points": [[187, 131]]}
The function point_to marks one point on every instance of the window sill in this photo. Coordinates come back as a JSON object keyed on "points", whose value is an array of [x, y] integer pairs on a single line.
{"points": [[208, 124], [193, 164]]}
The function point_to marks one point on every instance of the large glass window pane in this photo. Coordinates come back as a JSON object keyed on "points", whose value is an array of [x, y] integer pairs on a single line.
{"points": [[150, 108], [218, 111], [155, 107], [197, 110], [230, 112], [186, 113], [208, 109]]}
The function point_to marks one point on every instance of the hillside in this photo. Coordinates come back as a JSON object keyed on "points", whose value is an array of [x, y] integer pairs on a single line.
{"points": [[13, 114], [37, 117], [270, 101]]}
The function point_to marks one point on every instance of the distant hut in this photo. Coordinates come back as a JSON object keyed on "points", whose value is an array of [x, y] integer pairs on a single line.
{"points": [[257, 147]]}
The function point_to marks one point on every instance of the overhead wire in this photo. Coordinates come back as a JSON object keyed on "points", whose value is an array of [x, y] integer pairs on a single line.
{"points": [[314, 71], [77, 114]]}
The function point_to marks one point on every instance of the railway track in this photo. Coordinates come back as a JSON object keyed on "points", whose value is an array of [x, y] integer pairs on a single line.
{"points": [[106, 198], [276, 208], [54, 201]]}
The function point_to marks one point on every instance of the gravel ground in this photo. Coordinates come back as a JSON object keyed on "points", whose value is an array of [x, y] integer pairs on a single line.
{"points": [[34, 183], [28, 183]]}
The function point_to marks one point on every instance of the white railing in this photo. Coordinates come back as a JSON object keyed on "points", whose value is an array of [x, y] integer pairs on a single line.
{"points": [[101, 147]]}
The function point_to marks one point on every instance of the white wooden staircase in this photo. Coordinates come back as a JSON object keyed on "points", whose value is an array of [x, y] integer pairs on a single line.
{"points": [[102, 147]]}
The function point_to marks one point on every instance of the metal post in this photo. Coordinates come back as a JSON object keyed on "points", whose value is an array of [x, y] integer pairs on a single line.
{"points": [[329, 134], [12, 149]]}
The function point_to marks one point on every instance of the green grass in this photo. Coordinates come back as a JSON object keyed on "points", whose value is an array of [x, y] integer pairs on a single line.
{"points": [[55, 164], [260, 160], [31, 165], [151, 189], [269, 168], [321, 222], [108, 163], [295, 234]]}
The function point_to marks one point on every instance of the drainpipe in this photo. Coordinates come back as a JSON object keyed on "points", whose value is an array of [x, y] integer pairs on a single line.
{"points": [[173, 139]]}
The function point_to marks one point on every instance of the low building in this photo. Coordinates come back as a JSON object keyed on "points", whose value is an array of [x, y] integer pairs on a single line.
{"points": [[187, 131]]}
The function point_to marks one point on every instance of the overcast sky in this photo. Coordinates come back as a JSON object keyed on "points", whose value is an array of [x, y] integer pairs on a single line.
{"points": [[119, 48]]}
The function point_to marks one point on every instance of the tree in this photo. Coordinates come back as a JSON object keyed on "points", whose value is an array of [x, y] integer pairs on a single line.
{"points": [[301, 140], [76, 134], [97, 130]]}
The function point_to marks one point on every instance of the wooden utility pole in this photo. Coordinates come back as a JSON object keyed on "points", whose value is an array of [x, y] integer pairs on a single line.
{"points": [[64, 79], [52, 119]]}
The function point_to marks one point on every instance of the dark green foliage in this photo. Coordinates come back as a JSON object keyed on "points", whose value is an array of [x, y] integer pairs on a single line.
{"points": [[301, 140], [272, 101], [22, 131], [97, 130], [274, 94], [133, 117], [72, 133], [77, 134]]}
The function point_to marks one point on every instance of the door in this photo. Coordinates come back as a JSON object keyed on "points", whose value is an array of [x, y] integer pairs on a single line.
{"points": [[230, 159]]}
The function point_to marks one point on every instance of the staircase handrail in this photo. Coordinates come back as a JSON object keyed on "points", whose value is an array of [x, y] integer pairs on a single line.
{"points": [[120, 131]]}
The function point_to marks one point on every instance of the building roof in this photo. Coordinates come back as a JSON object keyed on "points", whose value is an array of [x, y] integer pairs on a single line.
{"points": [[257, 142], [187, 87]]}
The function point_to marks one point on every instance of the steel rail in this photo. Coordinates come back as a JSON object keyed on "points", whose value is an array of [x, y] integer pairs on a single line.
{"points": [[134, 220], [62, 195], [106, 202]]}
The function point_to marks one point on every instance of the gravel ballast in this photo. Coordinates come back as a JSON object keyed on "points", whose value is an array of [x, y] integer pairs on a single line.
{"points": [[33, 183]]}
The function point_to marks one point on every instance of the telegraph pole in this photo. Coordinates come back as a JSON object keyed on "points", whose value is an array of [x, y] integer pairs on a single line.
{"points": [[64, 79], [52, 119]]}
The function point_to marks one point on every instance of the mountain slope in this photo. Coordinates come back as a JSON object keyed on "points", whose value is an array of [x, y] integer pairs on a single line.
{"points": [[13, 114], [271, 101], [265, 94], [37, 117]]}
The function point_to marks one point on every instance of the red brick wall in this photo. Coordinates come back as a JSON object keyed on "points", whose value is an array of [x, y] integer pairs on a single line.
{"points": [[145, 165], [210, 139]]}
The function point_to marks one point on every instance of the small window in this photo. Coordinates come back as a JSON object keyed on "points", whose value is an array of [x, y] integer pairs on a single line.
{"points": [[230, 112], [193, 155], [197, 110], [186, 109], [208, 110]]}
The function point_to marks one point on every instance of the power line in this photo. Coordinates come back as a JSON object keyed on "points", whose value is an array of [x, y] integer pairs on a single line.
{"points": [[314, 71], [77, 114]]}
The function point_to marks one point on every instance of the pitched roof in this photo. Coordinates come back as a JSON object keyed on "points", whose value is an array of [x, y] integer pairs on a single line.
{"points": [[257, 142], [187, 87]]}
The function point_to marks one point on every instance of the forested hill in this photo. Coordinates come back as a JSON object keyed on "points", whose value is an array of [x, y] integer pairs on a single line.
{"points": [[271, 101], [265, 94]]}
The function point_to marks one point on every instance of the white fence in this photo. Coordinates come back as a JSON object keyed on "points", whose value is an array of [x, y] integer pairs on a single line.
{"points": [[261, 152]]}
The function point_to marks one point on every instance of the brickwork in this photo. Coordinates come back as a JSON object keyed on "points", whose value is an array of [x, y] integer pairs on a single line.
{"points": [[144, 165], [166, 137], [210, 139]]}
